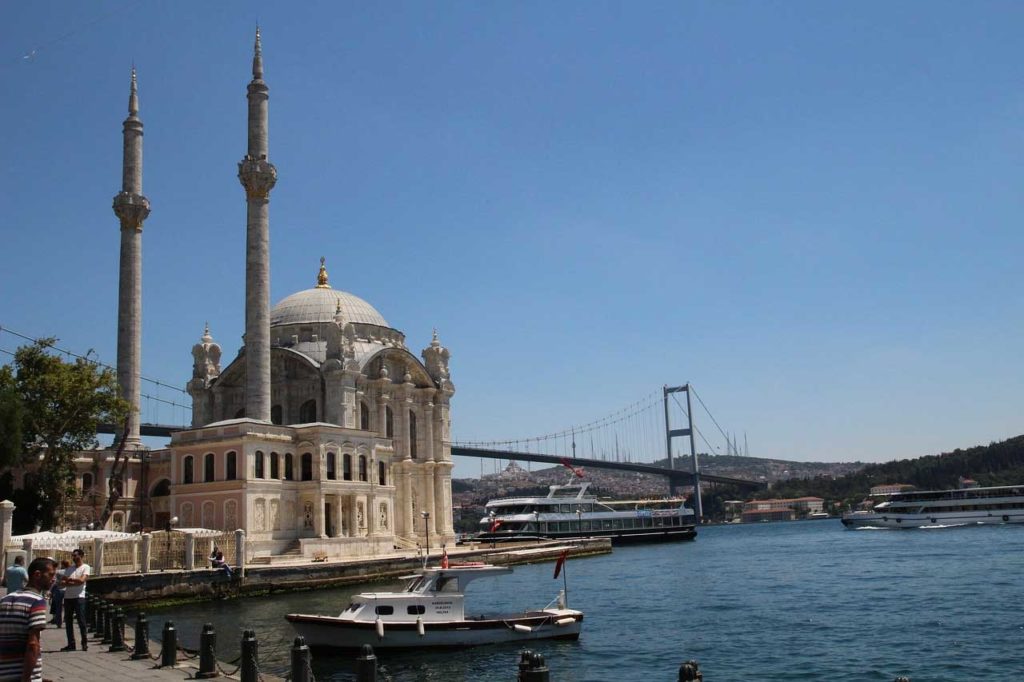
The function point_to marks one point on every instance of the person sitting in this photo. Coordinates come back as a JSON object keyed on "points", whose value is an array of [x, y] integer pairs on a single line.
{"points": [[218, 562], [213, 556]]}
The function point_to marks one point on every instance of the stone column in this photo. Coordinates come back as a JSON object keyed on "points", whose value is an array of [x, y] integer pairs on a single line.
{"points": [[240, 552], [6, 514], [321, 516], [410, 528], [258, 176], [131, 209], [145, 552], [428, 433], [97, 558], [430, 502], [190, 552]]}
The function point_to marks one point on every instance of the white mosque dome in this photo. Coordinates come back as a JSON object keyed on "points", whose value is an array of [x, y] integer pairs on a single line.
{"points": [[321, 304]]}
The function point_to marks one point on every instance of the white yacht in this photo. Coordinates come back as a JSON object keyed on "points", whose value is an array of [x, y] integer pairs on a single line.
{"points": [[430, 612], [567, 511], [935, 508]]}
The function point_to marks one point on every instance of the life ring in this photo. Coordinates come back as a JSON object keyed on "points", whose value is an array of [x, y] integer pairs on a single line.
{"points": [[1006, 518], [934, 520]]}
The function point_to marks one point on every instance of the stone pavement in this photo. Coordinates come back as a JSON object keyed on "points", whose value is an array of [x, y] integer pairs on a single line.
{"points": [[99, 664]]}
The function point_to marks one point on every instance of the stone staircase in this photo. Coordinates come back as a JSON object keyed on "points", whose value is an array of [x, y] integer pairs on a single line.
{"points": [[290, 554]]}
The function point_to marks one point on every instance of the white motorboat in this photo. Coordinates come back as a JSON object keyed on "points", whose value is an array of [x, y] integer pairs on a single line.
{"points": [[430, 612], [939, 508], [567, 511]]}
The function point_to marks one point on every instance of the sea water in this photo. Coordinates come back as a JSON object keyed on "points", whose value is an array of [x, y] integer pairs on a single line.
{"points": [[804, 600]]}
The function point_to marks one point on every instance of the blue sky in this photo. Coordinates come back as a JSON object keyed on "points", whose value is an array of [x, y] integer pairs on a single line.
{"points": [[809, 210]]}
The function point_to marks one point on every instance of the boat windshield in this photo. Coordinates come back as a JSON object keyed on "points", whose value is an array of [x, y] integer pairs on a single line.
{"points": [[414, 583]]}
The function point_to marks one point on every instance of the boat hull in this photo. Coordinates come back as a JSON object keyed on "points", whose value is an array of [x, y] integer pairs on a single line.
{"points": [[327, 632], [933, 520], [618, 537]]}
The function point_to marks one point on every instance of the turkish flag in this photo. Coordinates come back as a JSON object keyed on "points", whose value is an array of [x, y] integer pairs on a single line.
{"points": [[560, 562], [494, 525]]}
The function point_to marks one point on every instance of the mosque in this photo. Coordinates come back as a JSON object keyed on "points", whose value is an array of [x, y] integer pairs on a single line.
{"points": [[324, 435]]}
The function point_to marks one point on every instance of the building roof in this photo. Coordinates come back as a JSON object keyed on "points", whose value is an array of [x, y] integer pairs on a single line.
{"points": [[320, 305]]}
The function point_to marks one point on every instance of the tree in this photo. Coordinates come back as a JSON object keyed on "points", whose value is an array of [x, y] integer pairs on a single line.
{"points": [[60, 404]]}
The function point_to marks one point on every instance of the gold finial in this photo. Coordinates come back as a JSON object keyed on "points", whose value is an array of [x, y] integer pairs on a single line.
{"points": [[321, 279]]}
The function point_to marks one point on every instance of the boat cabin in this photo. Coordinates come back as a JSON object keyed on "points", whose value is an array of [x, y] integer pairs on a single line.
{"points": [[435, 594]]}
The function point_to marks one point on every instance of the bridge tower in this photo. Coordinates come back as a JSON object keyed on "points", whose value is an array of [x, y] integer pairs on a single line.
{"points": [[258, 176], [671, 433], [131, 209]]}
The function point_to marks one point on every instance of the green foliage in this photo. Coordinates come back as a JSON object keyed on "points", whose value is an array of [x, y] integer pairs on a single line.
{"points": [[60, 404], [994, 464], [11, 416]]}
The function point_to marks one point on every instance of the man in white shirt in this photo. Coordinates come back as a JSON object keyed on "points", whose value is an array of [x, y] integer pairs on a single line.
{"points": [[74, 600]]}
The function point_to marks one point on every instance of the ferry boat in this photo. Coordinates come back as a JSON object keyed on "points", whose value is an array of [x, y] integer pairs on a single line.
{"points": [[935, 508], [430, 613], [567, 511]]}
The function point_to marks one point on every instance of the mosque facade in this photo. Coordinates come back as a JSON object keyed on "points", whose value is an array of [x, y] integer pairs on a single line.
{"points": [[324, 435]]}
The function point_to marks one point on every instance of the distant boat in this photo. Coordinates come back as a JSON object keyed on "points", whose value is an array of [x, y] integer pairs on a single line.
{"points": [[430, 613], [818, 515], [932, 508], [567, 511]]}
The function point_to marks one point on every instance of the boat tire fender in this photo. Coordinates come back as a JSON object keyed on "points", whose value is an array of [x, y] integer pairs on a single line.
{"points": [[419, 627], [522, 628], [565, 621], [380, 629], [1006, 517]]}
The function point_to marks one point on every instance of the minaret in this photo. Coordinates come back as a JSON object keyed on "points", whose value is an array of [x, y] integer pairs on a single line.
{"points": [[131, 208], [258, 177]]}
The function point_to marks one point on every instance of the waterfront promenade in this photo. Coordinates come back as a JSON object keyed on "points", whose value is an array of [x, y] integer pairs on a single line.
{"points": [[100, 664]]}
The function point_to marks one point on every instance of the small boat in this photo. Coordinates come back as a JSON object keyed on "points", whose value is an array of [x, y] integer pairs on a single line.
{"points": [[567, 511], [941, 508], [430, 613]]}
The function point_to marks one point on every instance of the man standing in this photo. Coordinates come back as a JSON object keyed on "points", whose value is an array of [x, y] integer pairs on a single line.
{"points": [[16, 576], [22, 619], [74, 600]]}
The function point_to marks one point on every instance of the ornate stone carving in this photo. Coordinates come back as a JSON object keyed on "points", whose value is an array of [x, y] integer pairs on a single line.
{"points": [[131, 209], [435, 359], [258, 177]]}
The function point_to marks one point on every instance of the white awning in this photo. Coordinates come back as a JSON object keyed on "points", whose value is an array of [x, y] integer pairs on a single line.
{"points": [[68, 540]]}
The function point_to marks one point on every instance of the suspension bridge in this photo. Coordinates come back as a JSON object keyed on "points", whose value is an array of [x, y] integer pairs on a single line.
{"points": [[638, 438]]}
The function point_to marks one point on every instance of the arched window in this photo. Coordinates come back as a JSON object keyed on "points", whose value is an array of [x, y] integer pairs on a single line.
{"points": [[412, 434], [364, 416], [87, 482], [362, 467], [275, 467], [307, 412], [258, 465], [382, 474], [231, 467], [307, 466], [332, 466], [208, 472], [275, 415], [389, 423], [162, 489], [289, 474], [188, 470], [346, 467]]}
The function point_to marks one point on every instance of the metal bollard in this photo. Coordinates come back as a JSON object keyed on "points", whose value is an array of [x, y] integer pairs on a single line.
{"points": [[141, 651], [98, 630], [90, 604], [108, 622], [524, 663], [690, 671], [207, 653], [301, 671], [537, 670], [250, 666], [117, 632], [366, 665], [169, 650]]}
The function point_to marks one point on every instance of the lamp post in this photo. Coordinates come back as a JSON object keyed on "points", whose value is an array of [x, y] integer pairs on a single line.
{"points": [[536, 523], [579, 520], [426, 530], [171, 522]]}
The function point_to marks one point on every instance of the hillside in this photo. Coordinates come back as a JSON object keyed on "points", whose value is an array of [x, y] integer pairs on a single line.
{"points": [[993, 464]]}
